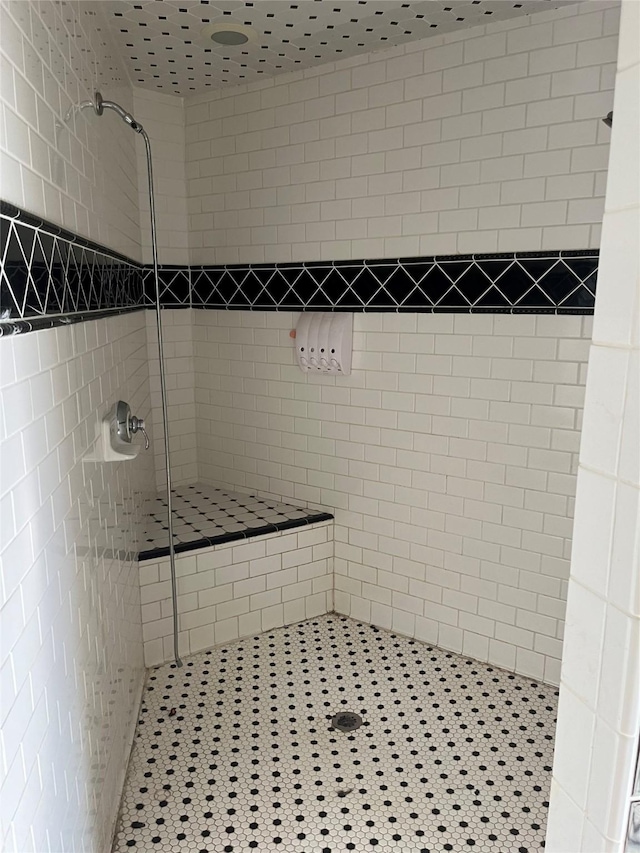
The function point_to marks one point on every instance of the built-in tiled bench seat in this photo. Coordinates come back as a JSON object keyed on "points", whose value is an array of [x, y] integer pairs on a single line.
{"points": [[204, 516], [243, 565]]}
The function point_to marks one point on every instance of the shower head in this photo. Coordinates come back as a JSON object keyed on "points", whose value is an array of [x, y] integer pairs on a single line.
{"points": [[100, 105], [608, 119]]}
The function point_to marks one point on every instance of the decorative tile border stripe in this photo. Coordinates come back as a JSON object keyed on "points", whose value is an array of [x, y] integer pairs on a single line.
{"points": [[522, 282], [175, 286], [12, 212], [50, 276], [206, 541]]}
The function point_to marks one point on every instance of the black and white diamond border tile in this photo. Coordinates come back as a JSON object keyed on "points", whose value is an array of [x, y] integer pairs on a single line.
{"points": [[205, 516], [235, 751], [175, 286], [50, 276], [523, 282]]}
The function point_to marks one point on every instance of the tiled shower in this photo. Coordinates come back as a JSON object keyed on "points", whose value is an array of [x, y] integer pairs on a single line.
{"points": [[386, 580]]}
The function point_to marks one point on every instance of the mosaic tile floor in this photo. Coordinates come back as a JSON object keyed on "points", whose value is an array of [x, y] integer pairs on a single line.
{"points": [[235, 752], [204, 516]]}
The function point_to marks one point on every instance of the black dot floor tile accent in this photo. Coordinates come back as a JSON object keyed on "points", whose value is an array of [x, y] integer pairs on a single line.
{"points": [[204, 515], [235, 751]]}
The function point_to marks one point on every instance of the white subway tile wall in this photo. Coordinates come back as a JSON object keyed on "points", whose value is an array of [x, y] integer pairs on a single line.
{"points": [[181, 407], [448, 456], [56, 160], [72, 667], [481, 141], [599, 710], [163, 118], [237, 590]]}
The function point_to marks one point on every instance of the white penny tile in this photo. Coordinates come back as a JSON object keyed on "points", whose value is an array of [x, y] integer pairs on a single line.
{"points": [[241, 749]]}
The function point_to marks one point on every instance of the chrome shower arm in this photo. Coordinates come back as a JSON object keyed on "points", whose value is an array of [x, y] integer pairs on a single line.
{"points": [[100, 105]]}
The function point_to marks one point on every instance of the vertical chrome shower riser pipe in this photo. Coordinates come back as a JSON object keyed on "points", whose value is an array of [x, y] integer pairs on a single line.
{"points": [[100, 105], [163, 395]]}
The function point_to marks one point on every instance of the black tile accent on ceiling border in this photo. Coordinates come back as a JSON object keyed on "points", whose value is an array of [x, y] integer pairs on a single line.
{"points": [[50, 277]]}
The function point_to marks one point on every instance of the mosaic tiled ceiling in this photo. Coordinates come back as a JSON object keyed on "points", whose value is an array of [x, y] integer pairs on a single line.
{"points": [[163, 45]]}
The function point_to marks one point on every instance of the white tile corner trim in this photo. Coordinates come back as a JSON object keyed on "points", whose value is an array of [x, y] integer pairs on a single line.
{"points": [[599, 710]]}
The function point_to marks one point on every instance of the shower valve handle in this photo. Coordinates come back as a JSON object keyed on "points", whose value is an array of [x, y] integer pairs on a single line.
{"points": [[137, 425], [123, 425]]}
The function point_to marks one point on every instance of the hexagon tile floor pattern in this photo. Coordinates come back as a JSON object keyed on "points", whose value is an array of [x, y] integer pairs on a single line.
{"points": [[234, 752]]}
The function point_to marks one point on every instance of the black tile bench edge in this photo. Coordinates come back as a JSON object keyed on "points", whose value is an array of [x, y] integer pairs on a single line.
{"points": [[249, 533]]}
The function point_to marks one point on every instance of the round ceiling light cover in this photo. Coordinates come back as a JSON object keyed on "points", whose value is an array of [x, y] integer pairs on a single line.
{"points": [[229, 34]]}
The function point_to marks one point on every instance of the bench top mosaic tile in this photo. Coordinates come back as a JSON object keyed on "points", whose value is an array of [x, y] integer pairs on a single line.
{"points": [[204, 515]]}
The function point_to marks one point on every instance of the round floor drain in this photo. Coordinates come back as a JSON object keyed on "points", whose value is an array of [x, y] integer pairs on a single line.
{"points": [[346, 721]]}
